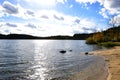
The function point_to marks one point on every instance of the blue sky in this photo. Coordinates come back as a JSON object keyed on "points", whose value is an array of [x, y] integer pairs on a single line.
{"points": [[57, 17]]}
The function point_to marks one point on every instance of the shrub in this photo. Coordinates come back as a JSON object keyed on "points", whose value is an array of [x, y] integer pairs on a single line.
{"points": [[110, 44], [90, 41]]}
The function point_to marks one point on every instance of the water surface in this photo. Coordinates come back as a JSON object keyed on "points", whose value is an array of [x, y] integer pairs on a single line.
{"points": [[41, 60]]}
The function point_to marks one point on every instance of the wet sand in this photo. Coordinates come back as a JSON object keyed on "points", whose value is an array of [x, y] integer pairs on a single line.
{"points": [[112, 56], [92, 69]]}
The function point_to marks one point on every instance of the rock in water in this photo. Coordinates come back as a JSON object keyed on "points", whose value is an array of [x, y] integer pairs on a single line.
{"points": [[62, 51], [86, 53], [70, 50]]}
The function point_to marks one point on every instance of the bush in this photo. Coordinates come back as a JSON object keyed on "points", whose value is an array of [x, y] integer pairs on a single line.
{"points": [[90, 41], [109, 44]]}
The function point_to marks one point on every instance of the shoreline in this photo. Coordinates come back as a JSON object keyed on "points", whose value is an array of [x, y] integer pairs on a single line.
{"points": [[112, 57]]}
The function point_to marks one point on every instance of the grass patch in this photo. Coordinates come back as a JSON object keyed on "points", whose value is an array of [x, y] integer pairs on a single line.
{"points": [[109, 44]]}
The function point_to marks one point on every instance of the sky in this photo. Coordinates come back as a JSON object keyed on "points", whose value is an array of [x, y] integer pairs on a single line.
{"points": [[57, 17]]}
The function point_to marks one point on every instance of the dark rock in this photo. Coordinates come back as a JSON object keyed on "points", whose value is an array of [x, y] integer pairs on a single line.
{"points": [[86, 53], [70, 50], [62, 51]]}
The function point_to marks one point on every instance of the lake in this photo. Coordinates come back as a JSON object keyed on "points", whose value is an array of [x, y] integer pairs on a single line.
{"points": [[41, 60]]}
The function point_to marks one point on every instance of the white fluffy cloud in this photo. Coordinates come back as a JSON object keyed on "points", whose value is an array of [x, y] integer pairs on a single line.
{"points": [[44, 22], [15, 10], [41, 2], [10, 8], [57, 23], [86, 1], [104, 12], [91, 1], [30, 25], [10, 25], [110, 7], [115, 21], [45, 2], [1, 11], [113, 6]]}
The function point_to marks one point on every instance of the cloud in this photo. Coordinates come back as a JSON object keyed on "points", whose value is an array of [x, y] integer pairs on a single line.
{"points": [[44, 2], [53, 26], [10, 8], [104, 13], [25, 13], [71, 6], [1, 14], [1, 11], [57, 23], [30, 25], [16, 11], [86, 1], [77, 21], [7, 27], [115, 20], [7, 31], [110, 7], [88, 23], [61, 1], [89, 30], [112, 4], [29, 12], [41, 2], [84, 25], [11, 25], [58, 18], [1, 25], [45, 17]]}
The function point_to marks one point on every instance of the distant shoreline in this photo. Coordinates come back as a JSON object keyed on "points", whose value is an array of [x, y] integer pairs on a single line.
{"points": [[57, 37], [112, 57]]}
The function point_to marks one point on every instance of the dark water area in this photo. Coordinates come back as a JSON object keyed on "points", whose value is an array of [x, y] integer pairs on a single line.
{"points": [[41, 60]]}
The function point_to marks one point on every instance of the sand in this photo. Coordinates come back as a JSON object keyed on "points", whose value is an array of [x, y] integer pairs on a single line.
{"points": [[112, 56]]}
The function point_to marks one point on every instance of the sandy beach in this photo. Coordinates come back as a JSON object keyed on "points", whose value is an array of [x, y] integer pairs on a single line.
{"points": [[112, 56]]}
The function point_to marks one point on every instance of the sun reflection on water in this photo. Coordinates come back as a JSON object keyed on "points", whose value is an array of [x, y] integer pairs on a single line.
{"points": [[40, 59]]}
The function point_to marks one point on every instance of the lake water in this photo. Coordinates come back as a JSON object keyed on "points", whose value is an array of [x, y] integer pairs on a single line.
{"points": [[41, 60]]}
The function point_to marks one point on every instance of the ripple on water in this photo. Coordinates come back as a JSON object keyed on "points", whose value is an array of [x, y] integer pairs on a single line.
{"points": [[41, 60]]}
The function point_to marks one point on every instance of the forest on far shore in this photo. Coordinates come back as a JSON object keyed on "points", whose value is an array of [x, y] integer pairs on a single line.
{"points": [[110, 35]]}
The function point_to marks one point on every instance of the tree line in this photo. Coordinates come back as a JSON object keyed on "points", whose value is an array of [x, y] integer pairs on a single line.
{"points": [[110, 35]]}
